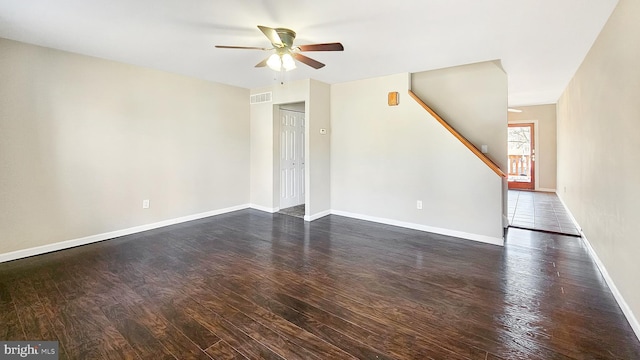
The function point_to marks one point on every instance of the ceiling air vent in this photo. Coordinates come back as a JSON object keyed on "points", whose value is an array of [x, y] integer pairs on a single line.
{"points": [[260, 98]]}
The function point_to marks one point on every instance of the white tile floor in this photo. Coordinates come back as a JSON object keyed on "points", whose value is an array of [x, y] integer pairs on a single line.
{"points": [[539, 211]]}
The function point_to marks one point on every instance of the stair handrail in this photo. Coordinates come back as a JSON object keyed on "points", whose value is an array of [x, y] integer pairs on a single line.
{"points": [[485, 159]]}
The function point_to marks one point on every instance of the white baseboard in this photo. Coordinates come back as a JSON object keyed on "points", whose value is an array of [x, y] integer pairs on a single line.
{"points": [[628, 313], [626, 310], [317, 215], [436, 230], [264, 208], [306, 217], [573, 219], [546, 190], [38, 250], [459, 234]]}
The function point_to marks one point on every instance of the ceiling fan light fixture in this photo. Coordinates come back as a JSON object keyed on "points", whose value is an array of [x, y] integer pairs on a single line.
{"points": [[287, 62], [286, 55], [275, 62]]}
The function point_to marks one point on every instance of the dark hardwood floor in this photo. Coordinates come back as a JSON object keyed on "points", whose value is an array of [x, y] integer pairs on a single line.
{"points": [[251, 285]]}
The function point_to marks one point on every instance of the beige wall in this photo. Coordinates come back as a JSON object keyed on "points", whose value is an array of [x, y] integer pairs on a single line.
{"points": [[318, 167], [83, 141], [473, 100], [599, 149], [385, 158], [545, 119]]}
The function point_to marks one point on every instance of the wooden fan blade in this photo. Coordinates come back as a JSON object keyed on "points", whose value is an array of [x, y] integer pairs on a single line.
{"points": [[322, 47], [307, 60], [241, 47], [262, 63], [272, 35]]}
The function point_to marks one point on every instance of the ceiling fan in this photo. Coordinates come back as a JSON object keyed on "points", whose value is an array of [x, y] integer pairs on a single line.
{"points": [[285, 52]]}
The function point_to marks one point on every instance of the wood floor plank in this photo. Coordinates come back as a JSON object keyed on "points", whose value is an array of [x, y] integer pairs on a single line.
{"points": [[252, 285], [278, 343], [243, 343], [518, 341], [49, 298], [294, 334], [221, 350], [88, 334], [161, 295], [137, 334], [471, 351], [343, 334], [444, 295], [11, 329], [431, 344], [32, 314], [130, 311], [474, 351], [202, 337], [397, 344]]}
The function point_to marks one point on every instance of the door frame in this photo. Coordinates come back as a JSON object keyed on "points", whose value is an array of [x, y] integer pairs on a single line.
{"points": [[276, 106], [535, 152]]}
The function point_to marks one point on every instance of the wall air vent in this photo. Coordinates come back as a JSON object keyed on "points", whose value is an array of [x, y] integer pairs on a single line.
{"points": [[260, 98]]}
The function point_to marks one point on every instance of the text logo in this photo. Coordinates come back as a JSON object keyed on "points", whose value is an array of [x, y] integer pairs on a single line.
{"points": [[28, 350]]}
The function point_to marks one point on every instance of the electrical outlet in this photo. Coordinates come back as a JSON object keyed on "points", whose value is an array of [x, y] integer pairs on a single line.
{"points": [[419, 204], [145, 204]]}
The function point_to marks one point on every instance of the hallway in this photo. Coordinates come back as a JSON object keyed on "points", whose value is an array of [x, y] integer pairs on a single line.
{"points": [[541, 211]]}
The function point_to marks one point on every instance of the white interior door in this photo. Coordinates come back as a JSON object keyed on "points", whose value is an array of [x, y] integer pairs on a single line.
{"points": [[291, 158]]}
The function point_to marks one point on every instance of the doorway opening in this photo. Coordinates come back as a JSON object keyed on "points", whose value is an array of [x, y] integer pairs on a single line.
{"points": [[521, 152], [292, 159]]}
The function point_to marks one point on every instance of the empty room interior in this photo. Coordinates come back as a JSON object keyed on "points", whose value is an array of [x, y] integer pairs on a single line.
{"points": [[316, 180]]}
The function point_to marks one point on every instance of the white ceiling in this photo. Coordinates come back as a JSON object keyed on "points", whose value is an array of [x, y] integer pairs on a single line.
{"points": [[541, 42]]}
